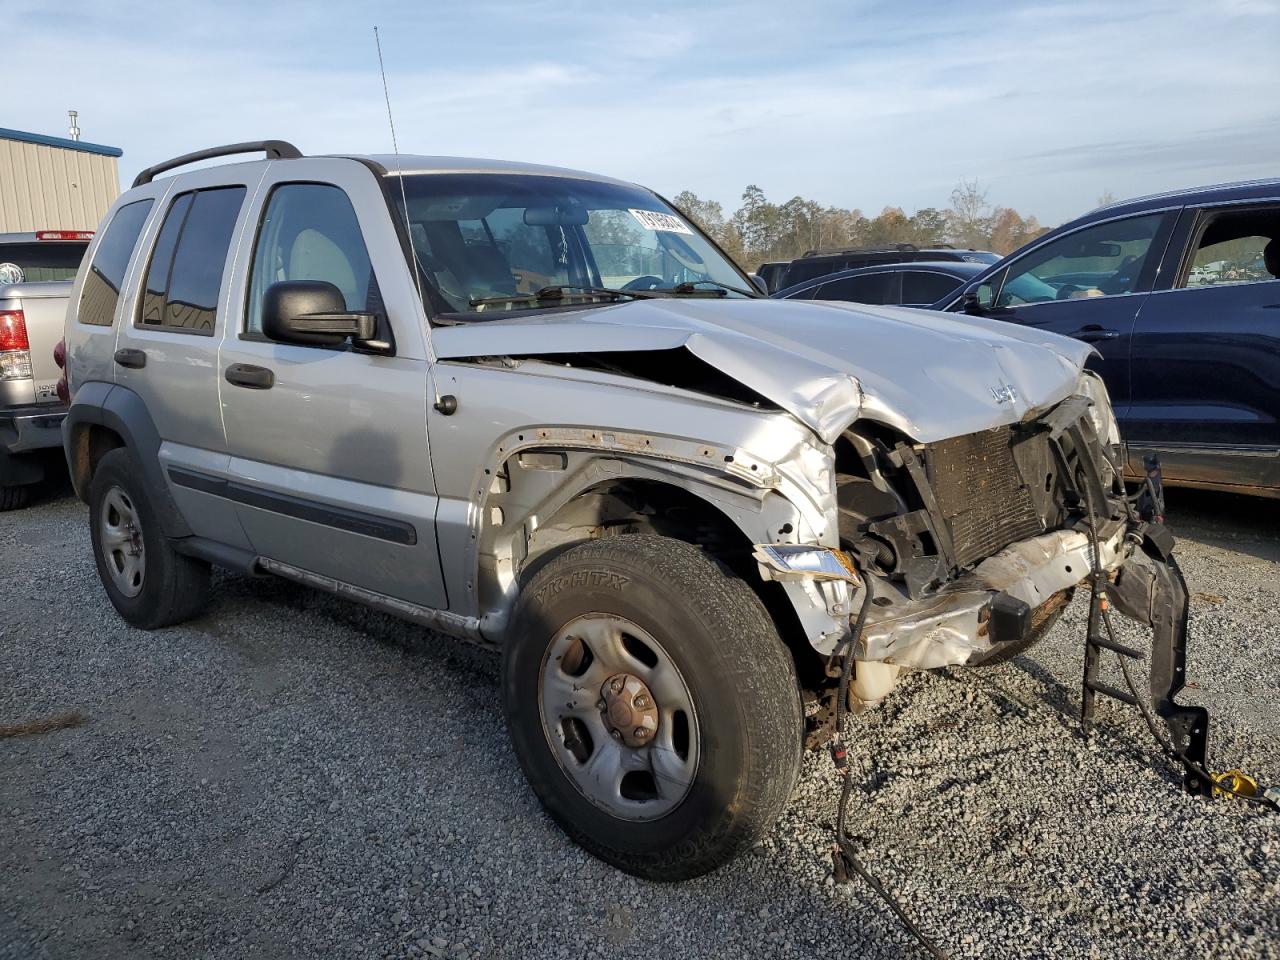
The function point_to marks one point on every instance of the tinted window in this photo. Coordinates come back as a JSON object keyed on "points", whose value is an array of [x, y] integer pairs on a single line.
{"points": [[919, 286], [185, 274], [41, 260], [1100, 261], [868, 288], [106, 274], [1237, 246], [309, 231]]}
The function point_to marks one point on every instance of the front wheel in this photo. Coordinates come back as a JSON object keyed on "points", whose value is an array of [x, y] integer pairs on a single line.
{"points": [[652, 705]]}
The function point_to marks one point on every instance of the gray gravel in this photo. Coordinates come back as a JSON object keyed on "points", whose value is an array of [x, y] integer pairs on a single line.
{"points": [[292, 775]]}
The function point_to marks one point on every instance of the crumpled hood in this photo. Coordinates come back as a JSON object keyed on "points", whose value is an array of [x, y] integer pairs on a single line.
{"points": [[931, 375]]}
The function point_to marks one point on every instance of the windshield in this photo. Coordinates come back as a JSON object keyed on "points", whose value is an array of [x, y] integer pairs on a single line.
{"points": [[500, 238]]}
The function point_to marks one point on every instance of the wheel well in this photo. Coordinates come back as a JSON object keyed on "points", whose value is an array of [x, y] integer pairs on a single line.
{"points": [[627, 506], [89, 444]]}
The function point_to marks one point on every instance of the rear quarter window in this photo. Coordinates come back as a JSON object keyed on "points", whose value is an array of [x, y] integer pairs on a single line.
{"points": [[102, 283]]}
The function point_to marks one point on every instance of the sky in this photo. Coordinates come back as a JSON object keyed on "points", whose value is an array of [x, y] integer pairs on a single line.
{"points": [[855, 104]]}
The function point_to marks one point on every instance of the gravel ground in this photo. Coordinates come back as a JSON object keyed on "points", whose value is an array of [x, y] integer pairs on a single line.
{"points": [[292, 775]]}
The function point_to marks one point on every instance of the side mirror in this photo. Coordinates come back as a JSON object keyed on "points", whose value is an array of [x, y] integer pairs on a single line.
{"points": [[758, 282], [314, 313], [978, 299]]}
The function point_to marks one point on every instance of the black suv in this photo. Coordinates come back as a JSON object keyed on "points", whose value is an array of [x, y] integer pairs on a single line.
{"points": [[819, 263]]}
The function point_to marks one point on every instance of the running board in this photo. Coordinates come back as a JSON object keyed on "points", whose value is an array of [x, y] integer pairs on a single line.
{"points": [[453, 624]]}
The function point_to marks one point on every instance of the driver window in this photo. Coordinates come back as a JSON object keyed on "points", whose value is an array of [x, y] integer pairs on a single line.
{"points": [[309, 231], [1100, 261]]}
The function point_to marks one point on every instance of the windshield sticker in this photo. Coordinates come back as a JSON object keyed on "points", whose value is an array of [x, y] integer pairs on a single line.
{"points": [[652, 220], [11, 273]]}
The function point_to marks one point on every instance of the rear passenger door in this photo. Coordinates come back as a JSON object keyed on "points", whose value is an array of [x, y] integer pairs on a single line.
{"points": [[1206, 352], [167, 351], [330, 469]]}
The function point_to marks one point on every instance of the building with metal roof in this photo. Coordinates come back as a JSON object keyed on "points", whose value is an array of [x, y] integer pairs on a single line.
{"points": [[52, 183]]}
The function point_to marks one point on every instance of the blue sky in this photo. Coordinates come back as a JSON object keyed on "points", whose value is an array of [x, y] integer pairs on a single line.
{"points": [[855, 104]]}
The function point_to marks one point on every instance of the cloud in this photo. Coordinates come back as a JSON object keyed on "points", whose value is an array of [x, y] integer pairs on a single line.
{"points": [[856, 104]]}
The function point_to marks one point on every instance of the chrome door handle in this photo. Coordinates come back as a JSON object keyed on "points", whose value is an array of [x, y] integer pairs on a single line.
{"points": [[1092, 333]]}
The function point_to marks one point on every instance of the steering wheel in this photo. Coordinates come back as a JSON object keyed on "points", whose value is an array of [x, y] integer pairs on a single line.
{"points": [[647, 282]]}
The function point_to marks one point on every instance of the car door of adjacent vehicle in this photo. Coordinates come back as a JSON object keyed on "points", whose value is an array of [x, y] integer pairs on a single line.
{"points": [[1088, 284], [881, 287], [1206, 352], [167, 349], [330, 466]]}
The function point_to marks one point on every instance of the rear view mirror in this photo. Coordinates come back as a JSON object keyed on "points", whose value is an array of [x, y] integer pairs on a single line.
{"points": [[561, 215], [312, 312]]}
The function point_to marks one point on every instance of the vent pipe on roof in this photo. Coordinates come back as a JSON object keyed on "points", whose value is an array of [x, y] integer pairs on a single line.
{"points": [[75, 129]]}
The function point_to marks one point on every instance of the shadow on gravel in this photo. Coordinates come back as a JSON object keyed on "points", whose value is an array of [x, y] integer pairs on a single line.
{"points": [[1229, 521]]}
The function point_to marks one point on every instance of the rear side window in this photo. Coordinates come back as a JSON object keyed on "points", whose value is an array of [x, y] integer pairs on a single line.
{"points": [[920, 286], [102, 283], [185, 273], [1237, 246], [870, 288]]}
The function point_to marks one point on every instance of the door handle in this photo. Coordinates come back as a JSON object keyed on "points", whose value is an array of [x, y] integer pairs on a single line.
{"points": [[1092, 333], [251, 376], [134, 359]]}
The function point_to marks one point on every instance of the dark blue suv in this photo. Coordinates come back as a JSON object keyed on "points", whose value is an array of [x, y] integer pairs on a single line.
{"points": [[1180, 293]]}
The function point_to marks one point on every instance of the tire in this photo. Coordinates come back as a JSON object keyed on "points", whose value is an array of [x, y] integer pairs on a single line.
{"points": [[164, 587], [14, 498], [743, 721]]}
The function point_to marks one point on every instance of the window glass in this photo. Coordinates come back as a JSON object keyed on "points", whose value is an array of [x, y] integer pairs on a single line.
{"points": [[309, 231], [185, 274], [1240, 246], [106, 274], [162, 261], [1100, 261], [40, 260], [921, 287], [868, 288], [495, 237]]}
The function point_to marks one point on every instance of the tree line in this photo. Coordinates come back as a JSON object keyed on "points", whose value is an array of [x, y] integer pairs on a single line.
{"points": [[760, 230]]}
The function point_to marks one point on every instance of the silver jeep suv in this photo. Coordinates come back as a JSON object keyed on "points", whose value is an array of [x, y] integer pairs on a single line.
{"points": [[540, 411]]}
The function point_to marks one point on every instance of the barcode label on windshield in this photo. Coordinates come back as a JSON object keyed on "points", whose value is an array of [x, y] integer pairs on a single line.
{"points": [[652, 220]]}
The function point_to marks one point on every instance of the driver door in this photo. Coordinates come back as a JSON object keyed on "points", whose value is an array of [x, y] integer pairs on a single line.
{"points": [[1089, 284]]}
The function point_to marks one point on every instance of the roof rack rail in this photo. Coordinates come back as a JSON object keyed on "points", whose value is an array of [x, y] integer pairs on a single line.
{"points": [[274, 149], [838, 251]]}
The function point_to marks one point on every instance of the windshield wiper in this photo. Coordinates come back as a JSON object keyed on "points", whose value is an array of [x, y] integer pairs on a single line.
{"points": [[561, 292], [691, 286]]}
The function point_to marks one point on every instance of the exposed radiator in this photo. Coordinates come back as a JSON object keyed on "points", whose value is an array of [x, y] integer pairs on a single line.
{"points": [[981, 494]]}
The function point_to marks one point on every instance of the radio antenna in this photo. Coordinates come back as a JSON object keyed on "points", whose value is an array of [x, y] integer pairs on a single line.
{"points": [[408, 230]]}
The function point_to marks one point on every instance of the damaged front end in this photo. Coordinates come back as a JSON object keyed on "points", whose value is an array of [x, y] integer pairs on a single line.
{"points": [[972, 546]]}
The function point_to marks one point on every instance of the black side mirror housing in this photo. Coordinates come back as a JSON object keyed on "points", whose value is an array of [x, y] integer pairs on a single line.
{"points": [[978, 300], [758, 282], [313, 313]]}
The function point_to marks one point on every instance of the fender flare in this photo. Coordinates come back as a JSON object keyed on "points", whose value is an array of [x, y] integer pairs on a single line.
{"points": [[124, 413]]}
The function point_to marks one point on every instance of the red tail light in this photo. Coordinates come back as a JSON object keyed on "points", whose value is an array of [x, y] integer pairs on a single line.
{"points": [[13, 331], [64, 235], [60, 354]]}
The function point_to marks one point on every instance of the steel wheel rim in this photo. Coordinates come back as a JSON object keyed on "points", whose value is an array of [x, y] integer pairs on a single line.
{"points": [[120, 534], [635, 783]]}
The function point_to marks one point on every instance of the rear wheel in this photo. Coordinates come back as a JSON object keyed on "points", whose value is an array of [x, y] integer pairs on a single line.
{"points": [[14, 498], [652, 704], [149, 583]]}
